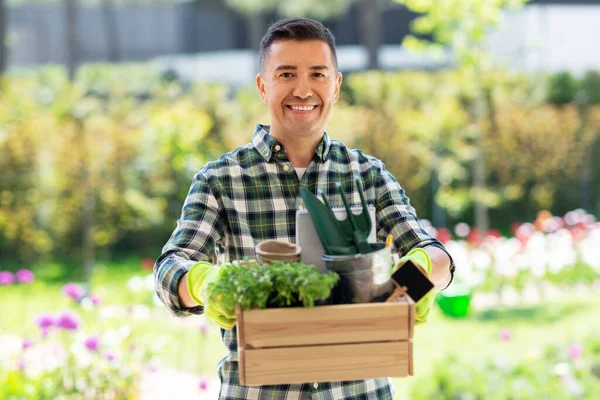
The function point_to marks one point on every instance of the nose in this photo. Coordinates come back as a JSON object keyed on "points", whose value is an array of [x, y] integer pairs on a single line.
{"points": [[302, 88]]}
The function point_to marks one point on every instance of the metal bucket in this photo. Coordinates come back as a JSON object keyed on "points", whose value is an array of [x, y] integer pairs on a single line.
{"points": [[364, 278]]}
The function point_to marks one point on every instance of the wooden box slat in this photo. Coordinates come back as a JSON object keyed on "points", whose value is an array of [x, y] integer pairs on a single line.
{"points": [[349, 323], [325, 363]]}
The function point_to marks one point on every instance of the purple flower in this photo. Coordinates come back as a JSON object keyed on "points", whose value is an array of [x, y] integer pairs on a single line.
{"points": [[92, 343], [27, 343], [110, 356], [6, 278], [21, 365], [44, 321], [73, 290], [95, 300], [575, 351], [68, 320], [505, 335], [25, 276], [203, 385], [151, 368]]}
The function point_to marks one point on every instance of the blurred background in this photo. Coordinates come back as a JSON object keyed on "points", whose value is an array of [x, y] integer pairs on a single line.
{"points": [[486, 111]]}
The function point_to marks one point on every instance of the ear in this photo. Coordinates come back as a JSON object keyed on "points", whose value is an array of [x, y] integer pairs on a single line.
{"points": [[338, 84], [260, 85]]}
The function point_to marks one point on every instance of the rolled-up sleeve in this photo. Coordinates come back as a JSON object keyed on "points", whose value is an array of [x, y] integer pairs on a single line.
{"points": [[198, 231], [396, 217]]}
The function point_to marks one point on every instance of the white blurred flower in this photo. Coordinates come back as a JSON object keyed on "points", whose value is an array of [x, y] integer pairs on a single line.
{"points": [[149, 282], [107, 312], [111, 338], [140, 312], [136, 284], [124, 332]]}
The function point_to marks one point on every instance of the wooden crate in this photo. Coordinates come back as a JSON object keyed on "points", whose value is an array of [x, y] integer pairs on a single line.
{"points": [[326, 343]]}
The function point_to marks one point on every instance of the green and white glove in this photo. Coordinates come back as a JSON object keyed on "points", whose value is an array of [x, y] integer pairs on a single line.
{"points": [[420, 258], [199, 277]]}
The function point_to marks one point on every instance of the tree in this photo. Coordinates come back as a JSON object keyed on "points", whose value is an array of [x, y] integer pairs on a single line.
{"points": [[462, 26]]}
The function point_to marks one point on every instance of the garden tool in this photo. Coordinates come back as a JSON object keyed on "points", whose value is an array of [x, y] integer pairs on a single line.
{"points": [[356, 227], [327, 226]]}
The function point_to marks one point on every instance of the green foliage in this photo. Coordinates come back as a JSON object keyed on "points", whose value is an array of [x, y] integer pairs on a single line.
{"points": [[554, 375], [253, 285], [141, 138], [562, 88], [460, 24]]}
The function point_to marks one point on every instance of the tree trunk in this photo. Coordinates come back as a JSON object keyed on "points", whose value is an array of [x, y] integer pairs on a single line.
{"points": [[111, 28], [3, 52], [370, 23], [87, 209], [482, 220], [72, 43]]}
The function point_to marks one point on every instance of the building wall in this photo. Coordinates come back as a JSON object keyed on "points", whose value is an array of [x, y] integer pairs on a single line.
{"points": [[550, 38], [543, 36]]}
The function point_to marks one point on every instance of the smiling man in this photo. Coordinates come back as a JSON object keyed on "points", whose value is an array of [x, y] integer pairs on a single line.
{"points": [[252, 193]]}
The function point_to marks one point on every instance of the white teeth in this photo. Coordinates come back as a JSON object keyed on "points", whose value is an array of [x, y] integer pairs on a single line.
{"points": [[302, 108]]}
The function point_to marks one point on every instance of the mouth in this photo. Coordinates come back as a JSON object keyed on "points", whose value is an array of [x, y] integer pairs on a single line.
{"points": [[301, 109]]}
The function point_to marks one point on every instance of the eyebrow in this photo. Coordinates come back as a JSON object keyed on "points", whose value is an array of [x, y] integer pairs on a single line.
{"points": [[292, 67]]}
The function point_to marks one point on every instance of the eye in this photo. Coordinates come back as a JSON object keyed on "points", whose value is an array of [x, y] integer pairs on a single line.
{"points": [[318, 75], [285, 75]]}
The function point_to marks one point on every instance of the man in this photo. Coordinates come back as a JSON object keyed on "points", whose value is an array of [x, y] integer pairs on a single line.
{"points": [[252, 194]]}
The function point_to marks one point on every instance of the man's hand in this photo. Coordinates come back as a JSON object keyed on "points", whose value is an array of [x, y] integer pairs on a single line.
{"points": [[197, 279], [420, 258]]}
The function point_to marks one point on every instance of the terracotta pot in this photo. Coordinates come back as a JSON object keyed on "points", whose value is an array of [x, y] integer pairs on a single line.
{"points": [[275, 250]]}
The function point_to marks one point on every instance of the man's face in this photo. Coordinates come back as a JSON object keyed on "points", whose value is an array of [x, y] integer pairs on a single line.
{"points": [[300, 85]]}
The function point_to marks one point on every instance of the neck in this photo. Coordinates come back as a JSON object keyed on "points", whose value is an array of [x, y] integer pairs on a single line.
{"points": [[300, 150]]}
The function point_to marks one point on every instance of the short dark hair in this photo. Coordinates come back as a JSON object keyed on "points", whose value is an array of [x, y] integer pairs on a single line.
{"points": [[296, 29]]}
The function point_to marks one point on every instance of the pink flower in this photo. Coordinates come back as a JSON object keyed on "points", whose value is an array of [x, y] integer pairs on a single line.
{"points": [[110, 356], [27, 343], [203, 385], [21, 365], [95, 300], [44, 321], [73, 290], [462, 229], [25, 276], [6, 278], [68, 320], [151, 368], [575, 351], [505, 335], [203, 328], [92, 343]]}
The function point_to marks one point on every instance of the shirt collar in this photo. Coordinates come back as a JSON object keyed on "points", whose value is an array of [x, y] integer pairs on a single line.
{"points": [[265, 144]]}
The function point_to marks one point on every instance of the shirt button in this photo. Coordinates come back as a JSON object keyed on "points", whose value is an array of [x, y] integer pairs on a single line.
{"points": [[316, 385], [277, 147], [286, 168]]}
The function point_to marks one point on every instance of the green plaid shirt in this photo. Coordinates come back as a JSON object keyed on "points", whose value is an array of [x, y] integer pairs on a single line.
{"points": [[251, 194]]}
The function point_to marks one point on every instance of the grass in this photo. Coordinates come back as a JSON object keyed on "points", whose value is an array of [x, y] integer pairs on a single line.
{"points": [[186, 348]]}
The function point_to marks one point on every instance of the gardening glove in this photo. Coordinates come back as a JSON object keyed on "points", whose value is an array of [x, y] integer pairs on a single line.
{"points": [[420, 258], [199, 277]]}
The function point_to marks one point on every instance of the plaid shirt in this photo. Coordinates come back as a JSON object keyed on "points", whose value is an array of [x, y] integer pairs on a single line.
{"points": [[251, 194]]}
